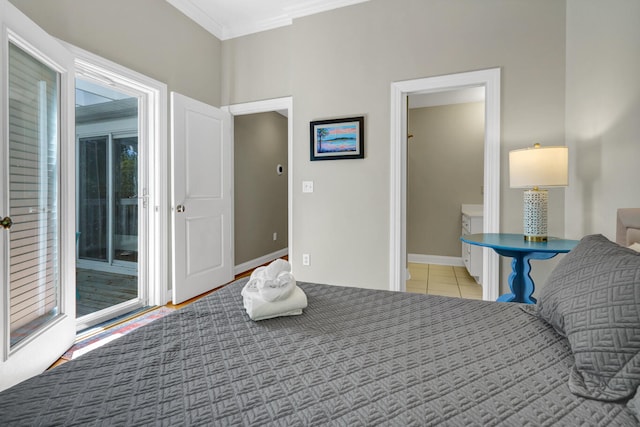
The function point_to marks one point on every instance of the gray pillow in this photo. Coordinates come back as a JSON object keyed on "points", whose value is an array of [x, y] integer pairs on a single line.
{"points": [[593, 298]]}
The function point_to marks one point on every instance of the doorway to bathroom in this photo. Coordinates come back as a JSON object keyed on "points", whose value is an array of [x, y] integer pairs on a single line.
{"points": [[445, 171], [400, 91]]}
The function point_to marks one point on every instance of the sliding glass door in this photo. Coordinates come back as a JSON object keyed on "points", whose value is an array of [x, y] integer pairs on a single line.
{"points": [[125, 200], [108, 202], [92, 199]]}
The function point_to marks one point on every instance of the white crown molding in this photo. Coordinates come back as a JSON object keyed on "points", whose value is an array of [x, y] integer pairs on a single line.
{"points": [[284, 12], [195, 13], [245, 28], [311, 7]]}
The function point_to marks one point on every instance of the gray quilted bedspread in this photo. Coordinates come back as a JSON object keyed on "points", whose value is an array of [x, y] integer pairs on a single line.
{"points": [[356, 357]]}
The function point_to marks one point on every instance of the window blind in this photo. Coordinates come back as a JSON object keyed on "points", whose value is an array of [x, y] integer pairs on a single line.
{"points": [[33, 193]]}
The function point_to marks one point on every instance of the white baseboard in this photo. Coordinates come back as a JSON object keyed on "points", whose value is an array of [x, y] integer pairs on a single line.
{"points": [[246, 266], [435, 259]]}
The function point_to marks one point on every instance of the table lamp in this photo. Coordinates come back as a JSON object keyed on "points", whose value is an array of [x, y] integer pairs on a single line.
{"points": [[533, 168]]}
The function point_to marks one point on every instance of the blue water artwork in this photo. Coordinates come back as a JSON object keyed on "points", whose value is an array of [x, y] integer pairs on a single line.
{"points": [[337, 139], [340, 138]]}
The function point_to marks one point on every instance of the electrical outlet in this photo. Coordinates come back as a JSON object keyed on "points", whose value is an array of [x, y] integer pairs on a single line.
{"points": [[275, 236], [305, 259]]}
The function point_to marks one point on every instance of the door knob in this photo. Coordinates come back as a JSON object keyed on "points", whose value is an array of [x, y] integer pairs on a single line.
{"points": [[6, 223], [180, 208]]}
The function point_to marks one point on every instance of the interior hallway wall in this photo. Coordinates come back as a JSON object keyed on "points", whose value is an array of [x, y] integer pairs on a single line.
{"points": [[445, 170], [261, 195]]}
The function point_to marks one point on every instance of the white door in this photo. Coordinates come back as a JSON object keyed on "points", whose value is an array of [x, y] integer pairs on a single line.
{"points": [[37, 252], [202, 203]]}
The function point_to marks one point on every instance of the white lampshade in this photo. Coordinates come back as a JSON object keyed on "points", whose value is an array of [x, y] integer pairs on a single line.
{"points": [[532, 168], [539, 167]]}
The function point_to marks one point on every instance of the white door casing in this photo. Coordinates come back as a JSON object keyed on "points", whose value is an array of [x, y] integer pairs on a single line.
{"points": [[45, 344], [202, 197], [490, 80], [153, 269], [265, 106]]}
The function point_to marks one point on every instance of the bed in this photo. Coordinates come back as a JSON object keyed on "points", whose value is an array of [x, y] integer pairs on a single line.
{"points": [[355, 357]]}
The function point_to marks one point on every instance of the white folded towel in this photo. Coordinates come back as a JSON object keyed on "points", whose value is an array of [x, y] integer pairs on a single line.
{"points": [[274, 282], [271, 292], [260, 309]]}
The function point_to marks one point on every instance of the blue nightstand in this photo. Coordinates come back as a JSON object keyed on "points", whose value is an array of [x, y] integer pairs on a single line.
{"points": [[522, 251]]}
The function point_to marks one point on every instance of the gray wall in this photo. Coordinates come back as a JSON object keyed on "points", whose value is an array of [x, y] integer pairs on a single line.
{"points": [[260, 142], [148, 36], [445, 170], [603, 111], [342, 63]]}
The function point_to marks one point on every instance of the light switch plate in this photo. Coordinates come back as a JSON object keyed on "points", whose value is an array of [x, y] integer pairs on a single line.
{"points": [[307, 186]]}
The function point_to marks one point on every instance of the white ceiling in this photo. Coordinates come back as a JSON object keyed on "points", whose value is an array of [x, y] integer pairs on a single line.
{"points": [[227, 19]]}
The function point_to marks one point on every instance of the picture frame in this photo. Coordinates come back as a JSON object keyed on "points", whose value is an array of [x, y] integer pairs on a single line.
{"points": [[337, 139]]}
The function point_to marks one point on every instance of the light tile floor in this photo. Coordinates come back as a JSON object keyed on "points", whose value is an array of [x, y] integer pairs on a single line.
{"points": [[442, 280]]}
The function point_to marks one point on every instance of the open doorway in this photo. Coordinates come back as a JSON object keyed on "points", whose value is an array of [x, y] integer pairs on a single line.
{"points": [[120, 150], [400, 91], [260, 188], [108, 206], [274, 116], [445, 171]]}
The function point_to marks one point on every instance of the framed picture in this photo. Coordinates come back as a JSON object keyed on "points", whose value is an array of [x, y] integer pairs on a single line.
{"points": [[337, 139]]}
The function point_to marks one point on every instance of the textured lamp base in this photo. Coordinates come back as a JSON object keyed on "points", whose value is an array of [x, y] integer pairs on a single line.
{"points": [[535, 215]]}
